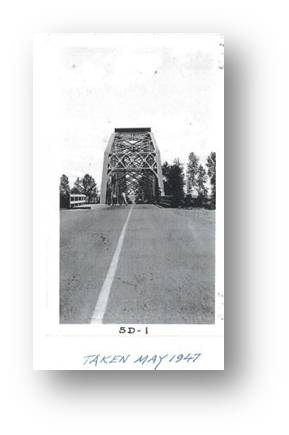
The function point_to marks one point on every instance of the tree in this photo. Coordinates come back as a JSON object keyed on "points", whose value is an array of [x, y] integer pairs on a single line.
{"points": [[86, 186], [64, 191], [201, 184], [192, 171], [77, 188], [211, 165], [174, 181], [166, 175], [90, 188]]}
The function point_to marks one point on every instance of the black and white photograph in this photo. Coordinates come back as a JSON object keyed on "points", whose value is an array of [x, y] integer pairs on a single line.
{"points": [[131, 129], [138, 183]]}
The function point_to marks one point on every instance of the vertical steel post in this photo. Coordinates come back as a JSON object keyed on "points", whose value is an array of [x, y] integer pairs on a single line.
{"points": [[159, 166], [105, 170]]}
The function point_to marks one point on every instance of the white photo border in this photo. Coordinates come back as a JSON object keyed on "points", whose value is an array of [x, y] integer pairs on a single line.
{"points": [[64, 347]]}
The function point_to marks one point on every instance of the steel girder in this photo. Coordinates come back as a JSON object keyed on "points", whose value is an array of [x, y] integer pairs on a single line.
{"points": [[131, 164]]}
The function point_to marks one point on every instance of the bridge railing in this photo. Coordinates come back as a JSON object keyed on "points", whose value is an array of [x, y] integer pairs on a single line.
{"points": [[77, 200], [187, 202], [166, 201]]}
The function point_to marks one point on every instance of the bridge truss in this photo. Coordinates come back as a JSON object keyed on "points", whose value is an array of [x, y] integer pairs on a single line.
{"points": [[132, 165]]}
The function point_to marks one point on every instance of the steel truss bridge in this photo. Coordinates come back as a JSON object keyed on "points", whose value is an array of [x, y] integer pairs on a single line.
{"points": [[132, 165]]}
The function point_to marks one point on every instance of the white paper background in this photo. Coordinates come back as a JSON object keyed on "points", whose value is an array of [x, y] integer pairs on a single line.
{"points": [[51, 351], [251, 394]]}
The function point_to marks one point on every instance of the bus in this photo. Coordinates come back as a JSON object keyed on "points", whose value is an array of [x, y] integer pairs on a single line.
{"points": [[77, 200]]}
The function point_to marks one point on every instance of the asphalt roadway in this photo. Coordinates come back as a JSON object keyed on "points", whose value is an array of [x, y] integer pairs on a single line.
{"points": [[137, 264]]}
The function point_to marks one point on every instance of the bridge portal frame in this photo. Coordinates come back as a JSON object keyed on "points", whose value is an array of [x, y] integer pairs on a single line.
{"points": [[107, 172]]}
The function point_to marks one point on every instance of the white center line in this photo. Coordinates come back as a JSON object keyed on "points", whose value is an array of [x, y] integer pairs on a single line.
{"points": [[103, 297]]}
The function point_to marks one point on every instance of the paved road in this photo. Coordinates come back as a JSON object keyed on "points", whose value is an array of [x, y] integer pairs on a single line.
{"points": [[162, 271]]}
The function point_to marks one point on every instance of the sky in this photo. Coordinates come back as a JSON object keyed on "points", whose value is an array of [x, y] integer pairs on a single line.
{"points": [[171, 84]]}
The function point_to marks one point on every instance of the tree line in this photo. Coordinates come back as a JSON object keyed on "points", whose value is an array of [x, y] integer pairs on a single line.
{"points": [[191, 187], [85, 185], [183, 188]]}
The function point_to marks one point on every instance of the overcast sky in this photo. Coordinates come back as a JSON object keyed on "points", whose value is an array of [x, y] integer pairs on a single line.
{"points": [[173, 86]]}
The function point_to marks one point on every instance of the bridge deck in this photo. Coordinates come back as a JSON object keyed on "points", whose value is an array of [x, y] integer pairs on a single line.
{"points": [[164, 269]]}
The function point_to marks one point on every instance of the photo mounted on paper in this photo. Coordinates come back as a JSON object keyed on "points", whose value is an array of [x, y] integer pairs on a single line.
{"points": [[128, 201]]}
